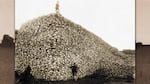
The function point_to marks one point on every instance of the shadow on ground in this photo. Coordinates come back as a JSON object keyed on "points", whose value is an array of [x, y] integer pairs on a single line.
{"points": [[27, 78]]}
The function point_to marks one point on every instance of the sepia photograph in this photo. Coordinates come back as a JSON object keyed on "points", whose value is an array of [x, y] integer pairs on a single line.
{"points": [[75, 41], [7, 50], [142, 41]]}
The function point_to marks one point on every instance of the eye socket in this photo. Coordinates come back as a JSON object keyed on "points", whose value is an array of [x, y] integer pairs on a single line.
{"points": [[49, 25]]}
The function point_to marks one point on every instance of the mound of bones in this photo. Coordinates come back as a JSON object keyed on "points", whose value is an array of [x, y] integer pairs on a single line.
{"points": [[50, 44]]}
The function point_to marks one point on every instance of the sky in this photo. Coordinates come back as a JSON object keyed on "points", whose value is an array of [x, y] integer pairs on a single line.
{"points": [[143, 21], [6, 18], [111, 20]]}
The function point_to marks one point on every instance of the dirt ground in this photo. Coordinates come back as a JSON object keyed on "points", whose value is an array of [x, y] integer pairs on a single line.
{"points": [[143, 64], [94, 79], [6, 65]]}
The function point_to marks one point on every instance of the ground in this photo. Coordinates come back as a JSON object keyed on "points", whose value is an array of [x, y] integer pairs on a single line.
{"points": [[96, 78], [143, 64], [86, 80], [6, 65]]}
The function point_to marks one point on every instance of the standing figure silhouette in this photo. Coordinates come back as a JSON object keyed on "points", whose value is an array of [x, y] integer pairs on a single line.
{"points": [[74, 69]]}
